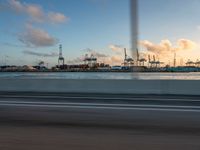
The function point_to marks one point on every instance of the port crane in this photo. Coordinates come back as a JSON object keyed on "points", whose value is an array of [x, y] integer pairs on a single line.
{"points": [[90, 61], [128, 61], [155, 63], [141, 61], [61, 60]]}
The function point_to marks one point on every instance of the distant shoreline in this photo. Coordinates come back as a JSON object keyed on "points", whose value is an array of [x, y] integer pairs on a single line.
{"points": [[98, 71]]}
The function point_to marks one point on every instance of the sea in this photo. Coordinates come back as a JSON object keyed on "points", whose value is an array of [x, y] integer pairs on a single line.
{"points": [[100, 75]]}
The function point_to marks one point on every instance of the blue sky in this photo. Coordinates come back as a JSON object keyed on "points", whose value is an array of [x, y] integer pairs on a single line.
{"points": [[33, 27], [160, 19], [171, 23]]}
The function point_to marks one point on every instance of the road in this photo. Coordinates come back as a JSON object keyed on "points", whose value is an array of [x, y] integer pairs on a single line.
{"points": [[98, 121]]}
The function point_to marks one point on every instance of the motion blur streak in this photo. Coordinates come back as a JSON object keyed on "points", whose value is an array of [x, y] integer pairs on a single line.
{"points": [[98, 121], [134, 31], [134, 27]]}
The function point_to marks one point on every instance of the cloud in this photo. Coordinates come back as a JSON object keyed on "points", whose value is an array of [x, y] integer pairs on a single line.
{"points": [[113, 60], [184, 44], [33, 37], [53, 54], [36, 12], [117, 56], [116, 59], [16, 6], [77, 60], [57, 17], [115, 47], [163, 47], [166, 47]]}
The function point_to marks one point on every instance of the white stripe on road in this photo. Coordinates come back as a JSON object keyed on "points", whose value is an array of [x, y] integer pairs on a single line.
{"points": [[99, 104], [110, 107]]}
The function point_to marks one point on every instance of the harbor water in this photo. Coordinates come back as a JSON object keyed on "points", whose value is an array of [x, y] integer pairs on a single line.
{"points": [[100, 75]]}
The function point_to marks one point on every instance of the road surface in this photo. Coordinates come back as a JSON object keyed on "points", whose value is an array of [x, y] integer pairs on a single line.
{"points": [[98, 122]]}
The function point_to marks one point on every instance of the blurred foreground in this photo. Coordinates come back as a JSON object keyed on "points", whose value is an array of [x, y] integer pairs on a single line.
{"points": [[98, 121]]}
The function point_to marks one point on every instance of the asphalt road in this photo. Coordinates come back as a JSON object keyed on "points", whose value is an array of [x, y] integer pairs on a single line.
{"points": [[55, 121]]}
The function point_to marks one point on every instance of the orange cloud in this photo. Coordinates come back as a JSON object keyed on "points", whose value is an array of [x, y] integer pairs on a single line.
{"points": [[185, 44], [117, 59], [115, 47], [165, 46]]}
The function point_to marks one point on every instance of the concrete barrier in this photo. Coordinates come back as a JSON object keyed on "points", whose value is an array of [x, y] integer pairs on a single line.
{"points": [[183, 87]]}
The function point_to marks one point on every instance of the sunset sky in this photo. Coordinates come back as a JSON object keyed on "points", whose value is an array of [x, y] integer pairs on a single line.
{"points": [[31, 30]]}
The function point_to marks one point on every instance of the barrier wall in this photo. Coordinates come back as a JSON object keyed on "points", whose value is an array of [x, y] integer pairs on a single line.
{"points": [[186, 87]]}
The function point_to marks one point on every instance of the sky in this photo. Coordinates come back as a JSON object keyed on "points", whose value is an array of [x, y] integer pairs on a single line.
{"points": [[31, 30], [170, 26]]}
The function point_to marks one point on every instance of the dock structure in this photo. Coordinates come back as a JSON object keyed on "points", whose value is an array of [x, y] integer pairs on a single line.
{"points": [[190, 63], [154, 63], [197, 63], [140, 61], [91, 61]]}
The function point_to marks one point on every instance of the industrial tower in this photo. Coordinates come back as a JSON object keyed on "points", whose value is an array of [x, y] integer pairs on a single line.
{"points": [[61, 60]]}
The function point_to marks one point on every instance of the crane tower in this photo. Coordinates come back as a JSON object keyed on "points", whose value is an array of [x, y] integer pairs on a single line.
{"points": [[61, 60]]}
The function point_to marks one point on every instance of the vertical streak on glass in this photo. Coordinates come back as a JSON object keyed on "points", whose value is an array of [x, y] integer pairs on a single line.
{"points": [[134, 34]]}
